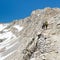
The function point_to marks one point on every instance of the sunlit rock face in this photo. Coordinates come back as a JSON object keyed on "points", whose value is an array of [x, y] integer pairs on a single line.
{"points": [[36, 37]]}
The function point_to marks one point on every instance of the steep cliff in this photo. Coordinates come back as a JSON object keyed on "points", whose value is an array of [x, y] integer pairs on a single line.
{"points": [[36, 37]]}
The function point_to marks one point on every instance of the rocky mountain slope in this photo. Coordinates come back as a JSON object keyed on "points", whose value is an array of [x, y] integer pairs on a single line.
{"points": [[32, 38]]}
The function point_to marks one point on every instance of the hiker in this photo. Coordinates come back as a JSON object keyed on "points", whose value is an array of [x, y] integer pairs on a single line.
{"points": [[45, 25]]}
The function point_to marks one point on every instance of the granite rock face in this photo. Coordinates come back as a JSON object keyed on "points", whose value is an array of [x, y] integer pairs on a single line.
{"points": [[37, 40]]}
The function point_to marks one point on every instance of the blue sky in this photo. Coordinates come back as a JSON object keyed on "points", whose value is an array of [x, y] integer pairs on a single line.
{"points": [[17, 9]]}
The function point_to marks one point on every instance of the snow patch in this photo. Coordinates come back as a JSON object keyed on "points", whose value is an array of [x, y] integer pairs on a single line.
{"points": [[5, 30], [7, 35], [2, 26], [38, 15], [19, 28], [10, 43]]}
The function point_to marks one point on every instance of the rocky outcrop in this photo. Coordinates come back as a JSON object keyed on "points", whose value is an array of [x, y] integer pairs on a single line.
{"points": [[37, 39]]}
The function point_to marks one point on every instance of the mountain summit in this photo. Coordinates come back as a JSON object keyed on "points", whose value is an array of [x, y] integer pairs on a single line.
{"points": [[36, 37]]}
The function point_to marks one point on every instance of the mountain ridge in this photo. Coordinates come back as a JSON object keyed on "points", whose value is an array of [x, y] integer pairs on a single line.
{"points": [[30, 39]]}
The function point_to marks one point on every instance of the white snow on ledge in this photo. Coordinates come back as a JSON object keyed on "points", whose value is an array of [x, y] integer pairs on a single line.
{"points": [[10, 43], [7, 35], [19, 28], [2, 26]]}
